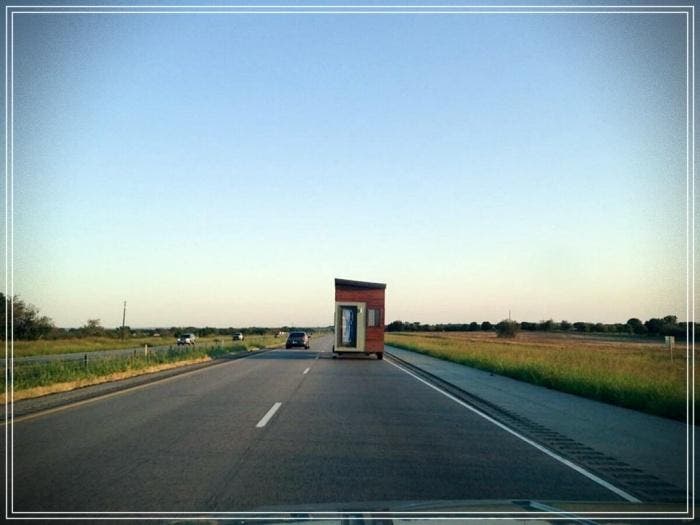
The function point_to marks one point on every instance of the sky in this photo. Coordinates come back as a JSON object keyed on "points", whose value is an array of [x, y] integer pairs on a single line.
{"points": [[222, 170]]}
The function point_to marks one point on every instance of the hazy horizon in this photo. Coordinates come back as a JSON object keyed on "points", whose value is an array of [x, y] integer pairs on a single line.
{"points": [[222, 170]]}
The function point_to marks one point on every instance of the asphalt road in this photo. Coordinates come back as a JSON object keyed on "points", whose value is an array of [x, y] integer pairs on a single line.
{"points": [[345, 430]]}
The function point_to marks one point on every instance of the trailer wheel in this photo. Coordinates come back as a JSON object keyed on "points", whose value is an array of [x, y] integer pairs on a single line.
{"points": [[380, 355]]}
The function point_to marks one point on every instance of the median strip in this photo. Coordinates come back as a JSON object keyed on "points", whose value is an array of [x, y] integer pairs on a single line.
{"points": [[269, 415]]}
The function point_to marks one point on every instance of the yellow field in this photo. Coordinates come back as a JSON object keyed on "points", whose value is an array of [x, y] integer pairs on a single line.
{"points": [[635, 374]]}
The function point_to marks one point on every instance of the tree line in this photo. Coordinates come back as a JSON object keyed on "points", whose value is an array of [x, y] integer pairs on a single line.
{"points": [[401, 326], [28, 324], [661, 326]]}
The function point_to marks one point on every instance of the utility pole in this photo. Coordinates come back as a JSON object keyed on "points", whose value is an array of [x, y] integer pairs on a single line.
{"points": [[123, 319]]}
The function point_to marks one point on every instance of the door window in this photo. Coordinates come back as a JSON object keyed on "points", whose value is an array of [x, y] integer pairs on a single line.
{"points": [[348, 326]]}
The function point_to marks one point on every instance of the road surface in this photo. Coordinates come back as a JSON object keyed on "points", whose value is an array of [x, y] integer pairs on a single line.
{"points": [[286, 428]]}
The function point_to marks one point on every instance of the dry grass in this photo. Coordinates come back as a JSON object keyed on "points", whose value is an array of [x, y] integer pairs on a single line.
{"points": [[631, 373]]}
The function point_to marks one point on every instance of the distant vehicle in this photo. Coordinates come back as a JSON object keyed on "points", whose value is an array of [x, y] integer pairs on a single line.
{"points": [[186, 339], [237, 336], [297, 339]]}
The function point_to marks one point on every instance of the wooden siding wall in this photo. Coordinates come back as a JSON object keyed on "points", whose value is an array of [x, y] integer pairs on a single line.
{"points": [[374, 297]]}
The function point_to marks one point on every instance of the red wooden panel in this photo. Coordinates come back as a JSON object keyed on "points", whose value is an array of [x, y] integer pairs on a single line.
{"points": [[374, 298]]}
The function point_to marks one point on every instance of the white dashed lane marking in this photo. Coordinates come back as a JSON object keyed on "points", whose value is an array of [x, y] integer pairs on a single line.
{"points": [[269, 415]]}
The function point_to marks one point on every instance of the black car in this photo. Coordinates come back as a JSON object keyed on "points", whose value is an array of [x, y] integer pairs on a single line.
{"points": [[297, 339]]}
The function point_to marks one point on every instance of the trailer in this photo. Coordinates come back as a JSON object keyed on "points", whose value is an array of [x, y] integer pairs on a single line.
{"points": [[359, 318]]}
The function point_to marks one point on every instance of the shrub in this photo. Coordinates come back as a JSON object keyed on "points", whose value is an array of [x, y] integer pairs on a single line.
{"points": [[507, 328]]}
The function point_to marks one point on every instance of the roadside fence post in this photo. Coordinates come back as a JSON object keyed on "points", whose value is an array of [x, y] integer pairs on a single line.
{"points": [[85, 360]]}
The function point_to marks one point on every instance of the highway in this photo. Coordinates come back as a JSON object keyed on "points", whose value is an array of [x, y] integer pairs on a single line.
{"points": [[282, 429]]}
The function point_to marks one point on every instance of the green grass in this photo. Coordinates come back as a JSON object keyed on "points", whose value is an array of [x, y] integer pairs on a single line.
{"points": [[32, 375], [43, 374], [91, 344], [637, 376]]}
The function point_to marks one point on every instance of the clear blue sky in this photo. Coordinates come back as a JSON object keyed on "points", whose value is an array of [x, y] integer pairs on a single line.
{"points": [[223, 169]]}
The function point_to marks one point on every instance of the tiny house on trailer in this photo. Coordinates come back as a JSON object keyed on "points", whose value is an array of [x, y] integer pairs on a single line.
{"points": [[359, 317]]}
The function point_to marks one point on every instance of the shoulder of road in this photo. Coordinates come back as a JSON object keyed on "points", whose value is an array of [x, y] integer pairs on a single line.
{"points": [[646, 443]]}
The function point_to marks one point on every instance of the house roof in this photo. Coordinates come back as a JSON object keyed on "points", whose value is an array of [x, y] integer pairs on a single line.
{"points": [[346, 283]]}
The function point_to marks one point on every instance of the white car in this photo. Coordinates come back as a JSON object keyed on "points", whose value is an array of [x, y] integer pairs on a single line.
{"points": [[237, 336], [186, 339]]}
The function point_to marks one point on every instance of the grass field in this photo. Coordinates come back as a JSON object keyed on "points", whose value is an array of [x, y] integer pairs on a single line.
{"points": [[91, 344], [634, 374], [39, 376]]}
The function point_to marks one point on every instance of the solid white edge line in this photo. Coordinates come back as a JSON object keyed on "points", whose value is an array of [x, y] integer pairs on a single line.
{"points": [[306, 371], [269, 415], [580, 470]]}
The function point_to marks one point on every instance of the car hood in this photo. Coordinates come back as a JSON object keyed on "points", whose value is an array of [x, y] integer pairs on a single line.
{"points": [[423, 511]]}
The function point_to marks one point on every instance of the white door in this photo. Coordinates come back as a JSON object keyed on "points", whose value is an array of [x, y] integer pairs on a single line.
{"points": [[350, 326]]}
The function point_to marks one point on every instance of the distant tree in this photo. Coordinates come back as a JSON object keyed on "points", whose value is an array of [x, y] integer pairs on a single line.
{"points": [[598, 327], [547, 325], [26, 322], [580, 326], [207, 330], [684, 329], [671, 319], [486, 326], [473, 326], [565, 325], [525, 325], [92, 327], [633, 323], [636, 326], [507, 328], [654, 326], [117, 332], [394, 326], [671, 327]]}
